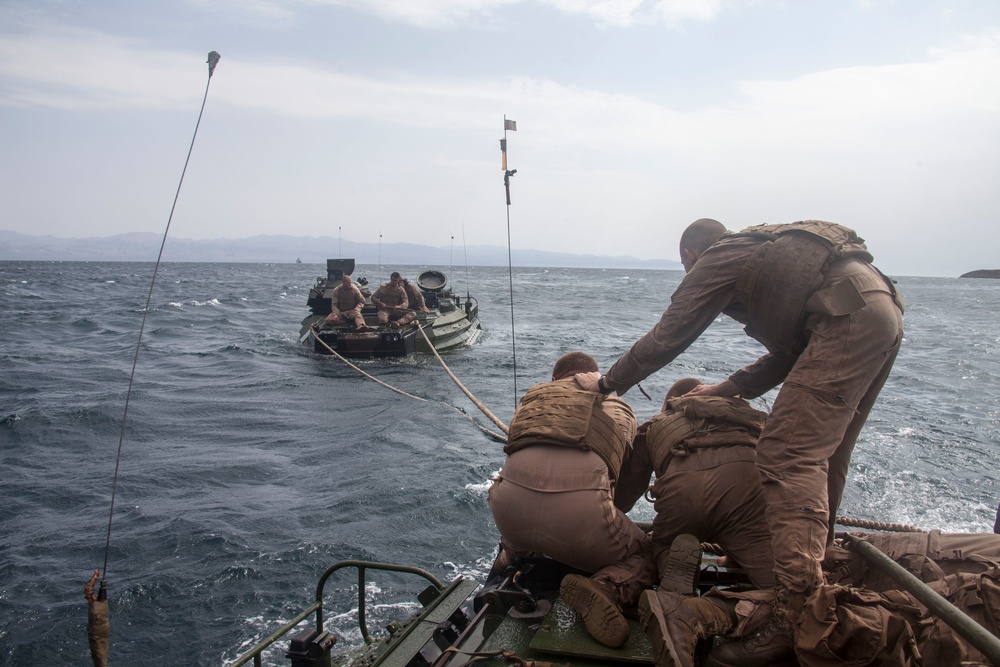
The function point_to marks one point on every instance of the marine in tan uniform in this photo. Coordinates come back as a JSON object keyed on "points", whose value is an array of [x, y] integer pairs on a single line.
{"points": [[346, 302], [832, 326], [702, 450], [707, 490], [554, 496], [393, 306], [414, 296]]}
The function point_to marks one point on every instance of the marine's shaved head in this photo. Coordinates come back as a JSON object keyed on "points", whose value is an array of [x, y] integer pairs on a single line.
{"points": [[679, 388], [572, 363], [700, 235]]}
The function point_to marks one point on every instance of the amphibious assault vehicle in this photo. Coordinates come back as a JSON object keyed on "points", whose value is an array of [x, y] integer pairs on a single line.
{"points": [[451, 322]]}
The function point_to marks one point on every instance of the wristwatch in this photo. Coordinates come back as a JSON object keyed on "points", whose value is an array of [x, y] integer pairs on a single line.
{"points": [[602, 387]]}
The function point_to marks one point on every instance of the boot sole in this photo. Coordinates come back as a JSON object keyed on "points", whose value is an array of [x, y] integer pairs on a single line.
{"points": [[601, 616], [684, 564]]}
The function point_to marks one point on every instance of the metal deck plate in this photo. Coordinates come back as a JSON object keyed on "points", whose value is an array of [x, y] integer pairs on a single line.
{"points": [[562, 632]]}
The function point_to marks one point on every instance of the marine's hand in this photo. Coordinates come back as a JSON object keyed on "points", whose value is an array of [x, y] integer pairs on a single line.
{"points": [[588, 381], [88, 590], [724, 388]]}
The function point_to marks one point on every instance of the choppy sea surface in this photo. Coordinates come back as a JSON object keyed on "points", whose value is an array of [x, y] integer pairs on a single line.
{"points": [[250, 464]]}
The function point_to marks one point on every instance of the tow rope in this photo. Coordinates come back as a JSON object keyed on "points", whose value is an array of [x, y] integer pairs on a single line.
{"points": [[497, 436], [332, 351], [468, 393], [871, 524]]}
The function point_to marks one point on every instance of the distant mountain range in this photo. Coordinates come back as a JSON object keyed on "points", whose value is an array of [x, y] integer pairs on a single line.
{"points": [[145, 246]]}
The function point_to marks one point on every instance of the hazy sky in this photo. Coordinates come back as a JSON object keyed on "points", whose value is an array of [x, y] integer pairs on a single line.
{"points": [[383, 117]]}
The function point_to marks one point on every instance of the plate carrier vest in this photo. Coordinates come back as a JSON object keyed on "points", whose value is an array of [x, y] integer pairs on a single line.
{"points": [[701, 421], [785, 271], [345, 300], [563, 413]]}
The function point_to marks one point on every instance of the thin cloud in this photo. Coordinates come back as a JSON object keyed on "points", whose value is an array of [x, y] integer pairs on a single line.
{"points": [[623, 13], [443, 14], [271, 10], [75, 69], [82, 70]]}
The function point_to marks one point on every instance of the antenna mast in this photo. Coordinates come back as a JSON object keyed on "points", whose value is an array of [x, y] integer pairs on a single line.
{"points": [[507, 174]]}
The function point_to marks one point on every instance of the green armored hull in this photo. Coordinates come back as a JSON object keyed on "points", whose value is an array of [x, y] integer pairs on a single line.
{"points": [[518, 618], [516, 615]]}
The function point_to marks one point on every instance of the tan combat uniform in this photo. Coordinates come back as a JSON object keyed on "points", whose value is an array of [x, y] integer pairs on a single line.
{"points": [[391, 297], [554, 494], [414, 296], [346, 305], [702, 451], [833, 362]]}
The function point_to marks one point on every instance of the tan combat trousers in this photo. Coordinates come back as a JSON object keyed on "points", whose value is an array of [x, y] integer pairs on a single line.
{"points": [[714, 494], [556, 501], [402, 316], [805, 449], [355, 316]]}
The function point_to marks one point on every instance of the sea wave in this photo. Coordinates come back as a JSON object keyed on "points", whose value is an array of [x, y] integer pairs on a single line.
{"points": [[249, 464]]}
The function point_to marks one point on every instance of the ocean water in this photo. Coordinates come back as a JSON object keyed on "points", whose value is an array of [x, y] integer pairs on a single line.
{"points": [[250, 464]]}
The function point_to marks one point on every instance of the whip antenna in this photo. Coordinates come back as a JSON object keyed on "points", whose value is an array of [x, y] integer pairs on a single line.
{"points": [[468, 280], [507, 174], [97, 625]]}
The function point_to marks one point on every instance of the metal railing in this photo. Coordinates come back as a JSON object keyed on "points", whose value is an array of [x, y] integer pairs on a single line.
{"points": [[317, 606]]}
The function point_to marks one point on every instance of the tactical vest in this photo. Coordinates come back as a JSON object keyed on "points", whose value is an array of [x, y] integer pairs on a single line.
{"points": [[389, 296], [344, 300], [785, 271], [561, 413], [701, 421]]}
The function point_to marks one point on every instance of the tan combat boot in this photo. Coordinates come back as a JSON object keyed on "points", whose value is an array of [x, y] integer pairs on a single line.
{"points": [[772, 645], [676, 623], [595, 602]]}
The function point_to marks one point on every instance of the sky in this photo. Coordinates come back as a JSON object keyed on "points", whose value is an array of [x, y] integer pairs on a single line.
{"points": [[363, 119]]}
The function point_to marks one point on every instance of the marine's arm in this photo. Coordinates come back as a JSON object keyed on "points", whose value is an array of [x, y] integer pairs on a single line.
{"points": [[761, 376], [633, 479], [377, 296], [704, 293], [725, 388]]}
